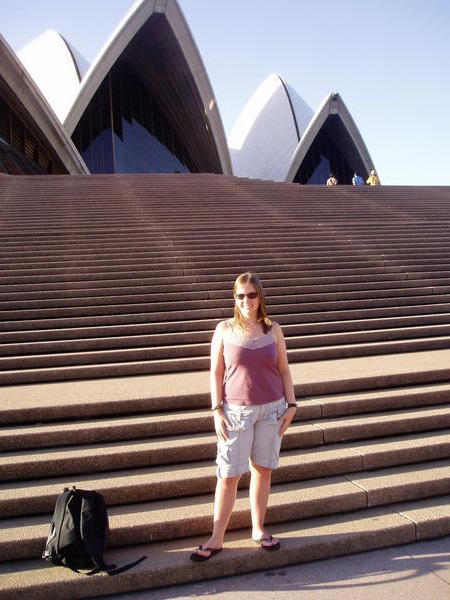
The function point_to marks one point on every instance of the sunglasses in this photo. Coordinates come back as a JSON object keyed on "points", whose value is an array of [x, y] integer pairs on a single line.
{"points": [[250, 296]]}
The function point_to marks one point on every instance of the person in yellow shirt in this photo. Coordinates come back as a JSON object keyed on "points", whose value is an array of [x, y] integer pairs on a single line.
{"points": [[373, 179]]}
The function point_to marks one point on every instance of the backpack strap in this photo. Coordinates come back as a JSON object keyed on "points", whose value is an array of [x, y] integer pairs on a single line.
{"points": [[113, 570]]}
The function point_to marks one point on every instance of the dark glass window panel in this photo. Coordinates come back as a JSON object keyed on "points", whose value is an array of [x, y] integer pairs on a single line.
{"points": [[99, 154], [142, 139], [320, 170], [14, 162], [93, 134], [4, 120], [142, 152], [22, 149], [332, 151], [17, 131], [44, 160], [158, 123], [30, 146]]}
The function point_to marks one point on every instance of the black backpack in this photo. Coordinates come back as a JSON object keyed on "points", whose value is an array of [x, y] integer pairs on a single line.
{"points": [[79, 533]]}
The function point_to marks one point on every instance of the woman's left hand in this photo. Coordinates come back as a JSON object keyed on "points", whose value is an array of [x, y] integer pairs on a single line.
{"points": [[286, 419]]}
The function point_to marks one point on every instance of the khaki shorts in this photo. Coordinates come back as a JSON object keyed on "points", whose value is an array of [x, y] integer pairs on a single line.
{"points": [[253, 434]]}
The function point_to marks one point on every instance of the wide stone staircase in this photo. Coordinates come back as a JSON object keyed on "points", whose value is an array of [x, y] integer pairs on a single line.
{"points": [[110, 288]]}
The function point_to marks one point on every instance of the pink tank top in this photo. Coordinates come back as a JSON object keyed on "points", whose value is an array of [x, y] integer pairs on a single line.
{"points": [[251, 371]]}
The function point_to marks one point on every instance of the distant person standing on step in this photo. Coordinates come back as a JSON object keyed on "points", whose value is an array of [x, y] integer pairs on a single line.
{"points": [[357, 179], [373, 179], [253, 403], [332, 179]]}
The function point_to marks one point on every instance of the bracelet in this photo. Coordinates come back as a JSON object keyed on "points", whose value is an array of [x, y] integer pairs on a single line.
{"points": [[291, 405], [216, 407]]}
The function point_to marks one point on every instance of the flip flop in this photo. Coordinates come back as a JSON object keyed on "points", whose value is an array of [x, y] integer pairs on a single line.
{"points": [[267, 538], [196, 557]]}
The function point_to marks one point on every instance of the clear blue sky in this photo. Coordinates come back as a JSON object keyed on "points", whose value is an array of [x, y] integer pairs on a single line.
{"points": [[388, 60]]}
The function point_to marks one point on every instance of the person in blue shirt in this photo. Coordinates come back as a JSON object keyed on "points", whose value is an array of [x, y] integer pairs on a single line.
{"points": [[357, 179]]}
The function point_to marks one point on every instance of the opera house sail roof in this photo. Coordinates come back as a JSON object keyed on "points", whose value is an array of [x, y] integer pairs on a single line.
{"points": [[277, 137], [146, 105], [32, 139], [330, 144], [268, 130], [56, 67]]}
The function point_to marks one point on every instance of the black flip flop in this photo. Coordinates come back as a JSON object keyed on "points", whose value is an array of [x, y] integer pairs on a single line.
{"points": [[196, 557], [267, 538]]}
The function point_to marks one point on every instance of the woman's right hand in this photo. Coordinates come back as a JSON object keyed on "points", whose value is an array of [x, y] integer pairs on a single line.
{"points": [[221, 425]]}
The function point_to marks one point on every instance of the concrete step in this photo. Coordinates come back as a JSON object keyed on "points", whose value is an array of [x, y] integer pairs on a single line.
{"points": [[75, 257], [181, 517], [179, 268], [331, 253], [378, 401], [95, 456], [143, 361], [222, 281], [130, 395], [360, 236], [89, 216], [205, 260], [182, 291], [40, 409], [138, 295], [173, 284], [35, 354], [226, 267], [379, 424], [128, 454], [201, 330], [157, 424], [138, 268], [26, 497], [208, 263], [282, 313], [109, 297], [305, 210], [179, 231], [302, 541]]}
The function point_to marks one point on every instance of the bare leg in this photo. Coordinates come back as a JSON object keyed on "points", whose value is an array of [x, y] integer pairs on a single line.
{"points": [[259, 496], [226, 489]]}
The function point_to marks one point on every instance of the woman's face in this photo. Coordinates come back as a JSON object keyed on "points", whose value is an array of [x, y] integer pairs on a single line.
{"points": [[247, 300]]}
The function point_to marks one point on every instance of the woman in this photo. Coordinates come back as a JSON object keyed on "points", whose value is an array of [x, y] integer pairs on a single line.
{"points": [[253, 403]]}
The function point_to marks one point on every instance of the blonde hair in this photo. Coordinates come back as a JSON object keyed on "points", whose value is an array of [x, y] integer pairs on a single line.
{"points": [[263, 319]]}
